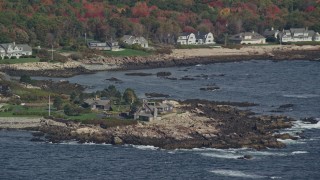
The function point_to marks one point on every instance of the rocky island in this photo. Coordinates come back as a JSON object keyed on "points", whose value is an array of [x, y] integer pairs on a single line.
{"points": [[195, 124]]}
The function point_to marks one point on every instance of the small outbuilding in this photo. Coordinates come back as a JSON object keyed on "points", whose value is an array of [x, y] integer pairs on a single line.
{"points": [[98, 104]]}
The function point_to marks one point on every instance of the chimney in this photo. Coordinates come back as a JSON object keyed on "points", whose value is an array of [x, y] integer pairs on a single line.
{"points": [[272, 28], [155, 113]]}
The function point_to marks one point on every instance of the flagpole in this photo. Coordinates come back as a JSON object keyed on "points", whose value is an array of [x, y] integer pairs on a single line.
{"points": [[49, 106]]}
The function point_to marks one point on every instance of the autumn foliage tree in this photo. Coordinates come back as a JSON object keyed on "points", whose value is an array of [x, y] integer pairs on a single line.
{"points": [[65, 22]]}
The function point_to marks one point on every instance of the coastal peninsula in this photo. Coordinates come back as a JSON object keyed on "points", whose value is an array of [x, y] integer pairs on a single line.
{"points": [[126, 119], [178, 57]]}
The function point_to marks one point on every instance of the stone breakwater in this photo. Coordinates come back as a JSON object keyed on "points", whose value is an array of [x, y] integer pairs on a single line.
{"points": [[199, 124]]}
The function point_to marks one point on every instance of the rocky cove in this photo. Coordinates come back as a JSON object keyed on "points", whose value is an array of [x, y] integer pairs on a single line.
{"points": [[197, 124]]}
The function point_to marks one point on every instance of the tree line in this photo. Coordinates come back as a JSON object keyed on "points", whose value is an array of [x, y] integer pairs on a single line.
{"points": [[65, 23]]}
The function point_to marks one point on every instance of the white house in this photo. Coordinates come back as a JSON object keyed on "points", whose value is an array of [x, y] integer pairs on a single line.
{"points": [[14, 50], [135, 40], [248, 38], [298, 35], [194, 39], [204, 38], [186, 39]]}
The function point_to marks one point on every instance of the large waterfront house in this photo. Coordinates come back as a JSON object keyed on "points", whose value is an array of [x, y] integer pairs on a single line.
{"points": [[195, 38], [248, 38], [14, 50], [151, 110], [298, 35], [98, 104], [131, 40], [104, 46], [271, 34]]}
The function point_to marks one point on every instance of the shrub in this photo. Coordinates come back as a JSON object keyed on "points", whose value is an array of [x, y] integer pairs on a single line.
{"points": [[43, 60], [25, 79], [71, 110], [76, 56]]}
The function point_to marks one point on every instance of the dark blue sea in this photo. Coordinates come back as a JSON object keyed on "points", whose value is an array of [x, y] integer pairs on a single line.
{"points": [[267, 83]]}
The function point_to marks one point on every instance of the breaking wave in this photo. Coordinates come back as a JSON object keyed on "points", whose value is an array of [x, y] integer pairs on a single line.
{"points": [[142, 147], [299, 152], [301, 96], [239, 174], [222, 155], [302, 125]]}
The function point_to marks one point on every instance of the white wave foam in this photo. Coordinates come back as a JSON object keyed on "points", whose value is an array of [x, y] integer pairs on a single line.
{"points": [[301, 96], [233, 173], [290, 141], [303, 125], [299, 152], [276, 177], [69, 143], [222, 155], [265, 153], [86, 143], [198, 65], [142, 147]]}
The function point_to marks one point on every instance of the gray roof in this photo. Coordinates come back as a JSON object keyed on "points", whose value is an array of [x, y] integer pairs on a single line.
{"points": [[241, 36], [94, 101], [298, 30], [185, 34], [269, 32], [200, 35], [293, 31], [25, 47], [130, 39]]}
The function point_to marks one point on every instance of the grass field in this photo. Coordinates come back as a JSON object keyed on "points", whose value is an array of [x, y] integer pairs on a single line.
{"points": [[83, 117], [18, 61], [22, 111], [127, 52]]}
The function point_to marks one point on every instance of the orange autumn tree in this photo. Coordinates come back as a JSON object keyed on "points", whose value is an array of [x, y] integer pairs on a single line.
{"points": [[140, 9]]}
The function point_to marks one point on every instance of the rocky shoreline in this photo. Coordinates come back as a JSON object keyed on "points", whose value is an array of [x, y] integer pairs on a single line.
{"points": [[92, 65], [197, 124]]}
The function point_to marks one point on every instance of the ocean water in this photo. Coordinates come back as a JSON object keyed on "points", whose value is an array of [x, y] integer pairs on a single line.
{"points": [[269, 84]]}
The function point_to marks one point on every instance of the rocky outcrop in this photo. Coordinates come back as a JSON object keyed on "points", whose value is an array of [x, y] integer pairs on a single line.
{"points": [[19, 123], [198, 124]]}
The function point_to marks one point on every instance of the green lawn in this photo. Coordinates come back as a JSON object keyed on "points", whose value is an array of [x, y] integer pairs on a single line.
{"points": [[23, 111], [127, 52], [82, 117], [18, 61]]}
